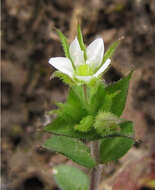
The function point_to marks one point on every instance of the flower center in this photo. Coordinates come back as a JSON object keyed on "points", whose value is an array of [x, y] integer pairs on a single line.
{"points": [[84, 70]]}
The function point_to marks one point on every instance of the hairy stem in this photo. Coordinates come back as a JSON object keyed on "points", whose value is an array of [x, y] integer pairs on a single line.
{"points": [[97, 171]]}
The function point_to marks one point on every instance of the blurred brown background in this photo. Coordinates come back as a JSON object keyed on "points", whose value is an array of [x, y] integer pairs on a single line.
{"points": [[28, 41]]}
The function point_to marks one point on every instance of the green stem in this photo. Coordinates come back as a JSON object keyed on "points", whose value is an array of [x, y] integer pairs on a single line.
{"points": [[97, 171]]}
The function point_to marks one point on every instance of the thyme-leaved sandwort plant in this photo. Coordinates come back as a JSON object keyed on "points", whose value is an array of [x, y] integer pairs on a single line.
{"points": [[88, 128]]}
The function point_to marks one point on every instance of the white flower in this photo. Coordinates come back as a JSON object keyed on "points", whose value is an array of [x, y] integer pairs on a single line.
{"points": [[84, 70]]}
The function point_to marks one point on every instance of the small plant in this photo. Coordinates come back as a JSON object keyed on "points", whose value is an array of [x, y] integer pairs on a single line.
{"points": [[88, 128]]}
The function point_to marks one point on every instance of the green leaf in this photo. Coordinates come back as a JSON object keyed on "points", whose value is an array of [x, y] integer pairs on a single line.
{"points": [[109, 53], [73, 110], [119, 100], [113, 148], [85, 124], [69, 115], [80, 39], [127, 129], [96, 97], [107, 103], [71, 148], [79, 96], [59, 127], [70, 178]]}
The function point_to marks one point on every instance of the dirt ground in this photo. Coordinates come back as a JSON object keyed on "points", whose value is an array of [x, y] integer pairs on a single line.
{"points": [[29, 39]]}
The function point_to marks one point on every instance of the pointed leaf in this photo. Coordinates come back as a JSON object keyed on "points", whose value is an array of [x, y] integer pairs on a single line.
{"points": [[127, 128], [70, 178], [107, 103], [96, 97], [71, 148], [73, 110], [118, 102], [113, 148]]}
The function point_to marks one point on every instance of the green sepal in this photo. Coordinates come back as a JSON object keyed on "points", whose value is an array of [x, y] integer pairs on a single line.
{"points": [[65, 46], [65, 78], [109, 53], [70, 178], [85, 124], [64, 42], [71, 148], [80, 39], [118, 101]]}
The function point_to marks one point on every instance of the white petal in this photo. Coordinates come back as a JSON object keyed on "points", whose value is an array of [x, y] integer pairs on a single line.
{"points": [[103, 68], [62, 64], [95, 53], [76, 53], [84, 78]]}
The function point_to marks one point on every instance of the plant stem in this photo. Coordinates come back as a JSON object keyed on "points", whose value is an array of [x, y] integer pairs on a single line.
{"points": [[95, 177], [97, 171]]}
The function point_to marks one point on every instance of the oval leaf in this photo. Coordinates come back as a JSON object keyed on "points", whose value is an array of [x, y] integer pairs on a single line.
{"points": [[69, 178], [71, 148]]}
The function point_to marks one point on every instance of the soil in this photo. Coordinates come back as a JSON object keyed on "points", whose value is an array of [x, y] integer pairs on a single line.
{"points": [[29, 39]]}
